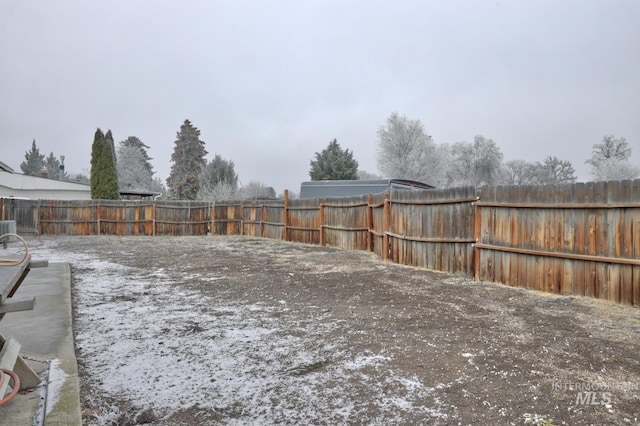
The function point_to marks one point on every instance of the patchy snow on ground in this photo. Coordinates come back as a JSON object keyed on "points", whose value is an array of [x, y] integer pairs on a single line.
{"points": [[145, 338], [56, 379]]}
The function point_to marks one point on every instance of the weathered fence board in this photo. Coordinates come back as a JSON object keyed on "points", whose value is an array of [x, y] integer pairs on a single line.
{"points": [[433, 228], [273, 220], [303, 222], [346, 222], [582, 236]]}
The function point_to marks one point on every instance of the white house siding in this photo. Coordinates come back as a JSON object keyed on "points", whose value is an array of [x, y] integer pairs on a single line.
{"points": [[37, 188]]}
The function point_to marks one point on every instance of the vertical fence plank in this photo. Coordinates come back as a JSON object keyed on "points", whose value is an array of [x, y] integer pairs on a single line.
{"points": [[613, 241], [601, 234], [579, 226], [634, 224], [591, 285], [625, 241], [386, 221]]}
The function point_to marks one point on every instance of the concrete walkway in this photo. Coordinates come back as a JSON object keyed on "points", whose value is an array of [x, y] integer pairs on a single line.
{"points": [[46, 336]]}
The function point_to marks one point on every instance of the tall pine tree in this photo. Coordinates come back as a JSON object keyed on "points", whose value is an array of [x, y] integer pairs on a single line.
{"points": [[52, 164], [104, 177], [188, 161], [95, 174], [34, 161]]}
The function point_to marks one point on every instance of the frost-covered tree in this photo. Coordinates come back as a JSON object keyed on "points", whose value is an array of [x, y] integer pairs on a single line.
{"points": [[133, 173], [478, 163], [134, 142], [78, 177], [365, 175], [405, 151], [34, 161], [610, 160], [218, 180], [612, 169], [104, 176], [255, 189], [516, 172], [334, 163], [552, 171], [188, 159]]}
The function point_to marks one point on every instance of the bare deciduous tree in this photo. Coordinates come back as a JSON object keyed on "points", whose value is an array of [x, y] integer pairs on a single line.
{"points": [[365, 175], [516, 172], [255, 189], [552, 171], [406, 151], [610, 160], [221, 191], [478, 163], [612, 169]]}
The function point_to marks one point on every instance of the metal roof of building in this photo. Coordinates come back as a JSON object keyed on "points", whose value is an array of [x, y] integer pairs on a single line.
{"points": [[348, 188]]}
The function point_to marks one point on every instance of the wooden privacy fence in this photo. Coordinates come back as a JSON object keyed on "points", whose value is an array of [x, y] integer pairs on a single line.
{"points": [[578, 239], [103, 217]]}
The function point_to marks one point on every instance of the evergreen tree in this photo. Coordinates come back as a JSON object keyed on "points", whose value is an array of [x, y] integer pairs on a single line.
{"points": [[188, 161], [134, 166], [52, 164], [134, 142], [95, 173], [34, 161], [334, 163], [111, 170], [132, 170], [217, 177], [104, 177]]}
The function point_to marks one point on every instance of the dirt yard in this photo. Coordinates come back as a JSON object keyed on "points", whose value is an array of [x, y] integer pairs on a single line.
{"points": [[208, 330]]}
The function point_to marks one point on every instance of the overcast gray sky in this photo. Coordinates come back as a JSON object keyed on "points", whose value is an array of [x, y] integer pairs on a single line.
{"points": [[270, 83]]}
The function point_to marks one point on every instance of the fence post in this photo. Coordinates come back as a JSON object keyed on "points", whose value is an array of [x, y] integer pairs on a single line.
{"points": [[321, 220], [241, 218], [98, 216], [37, 218], [231, 215], [285, 233], [478, 236], [386, 220], [370, 223], [261, 225]]}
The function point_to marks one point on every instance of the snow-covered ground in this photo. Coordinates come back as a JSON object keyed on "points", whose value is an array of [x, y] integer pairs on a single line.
{"points": [[145, 338]]}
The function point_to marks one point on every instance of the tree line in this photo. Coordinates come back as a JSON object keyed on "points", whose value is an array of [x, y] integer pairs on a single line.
{"points": [[404, 151], [128, 168]]}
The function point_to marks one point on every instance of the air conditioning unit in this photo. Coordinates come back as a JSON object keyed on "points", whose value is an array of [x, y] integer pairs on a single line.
{"points": [[8, 227]]}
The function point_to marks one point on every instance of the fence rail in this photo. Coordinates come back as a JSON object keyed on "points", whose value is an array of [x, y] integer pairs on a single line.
{"points": [[578, 239]]}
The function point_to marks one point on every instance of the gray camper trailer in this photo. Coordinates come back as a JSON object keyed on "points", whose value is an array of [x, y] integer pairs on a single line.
{"points": [[349, 188]]}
